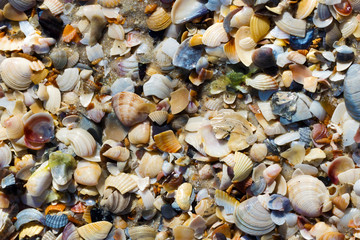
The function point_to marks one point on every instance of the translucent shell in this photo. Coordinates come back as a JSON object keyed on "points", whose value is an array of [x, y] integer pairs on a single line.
{"points": [[167, 142], [16, 73], [243, 167], [95, 231]]}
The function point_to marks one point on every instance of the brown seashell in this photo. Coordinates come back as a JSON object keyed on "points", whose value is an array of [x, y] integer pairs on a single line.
{"points": [[130, 108], [13, 14], [140, 133], [332, 236], [259, 27], [95, 231], [158, 20], [343, 8], [117, 153], [150, 165], [114, 201], [167, 142], [230, 51], [179, 100]]}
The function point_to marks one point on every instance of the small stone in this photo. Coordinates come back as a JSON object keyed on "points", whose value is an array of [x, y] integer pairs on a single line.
{"points": [[168, 212]]}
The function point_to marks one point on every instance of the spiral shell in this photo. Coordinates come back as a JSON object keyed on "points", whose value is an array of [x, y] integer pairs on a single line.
{"points": [[16, 73], [95, 231], [307, 195]]}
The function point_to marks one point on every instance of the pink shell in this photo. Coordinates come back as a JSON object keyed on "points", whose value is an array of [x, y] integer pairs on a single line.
{"points": [[39, 129]]}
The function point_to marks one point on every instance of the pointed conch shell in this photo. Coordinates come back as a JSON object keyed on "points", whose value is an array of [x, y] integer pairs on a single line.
{"points": [[117, 153], [150, 165], [142, 233], [81, 141], [243, 167], [215, 35], [159, 117], [262, 82], [290, 25], [259, 27], [68, 80], [140, 133], [305, 8], [16, 73], [130, 108], [95, 231], [158, 20], [167, 142], [122, 182], [307, 195]]}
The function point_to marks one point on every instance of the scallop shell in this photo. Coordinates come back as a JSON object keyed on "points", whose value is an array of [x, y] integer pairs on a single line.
{"points": [[28, 215], [150, 165], [160, 117], [242, 18], [225, 200], [117, 153], [140, 133], [14, 127], [114, 201], [262, 82], [122, 182], [130, 108], [215, 35], [159, 85], [179, 100], [167, 142], [252, 218], [142, 233], [30, 230], [307, 195], [243, 167], [68, 80], [109, 3], [56, 221], [259, 27], [56, 7], [80, 140], [158, 20], [182, 196], [305, 8], [87, 173], [290, 25], [59, 58], [95, 231], [39, 181], [22, 5], [16, 73]]}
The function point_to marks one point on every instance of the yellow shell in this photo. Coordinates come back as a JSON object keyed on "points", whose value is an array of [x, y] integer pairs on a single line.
{"points": [[142, 233], [183, 233], [150, 165], [215, 35], [305, 8], [225, 200], [243, 167], [179, 100], [182, 196], [109, 3], [122, 182], [244, 45], [117, 153], [95, 231], [158, 20], [230, 51], [159, 116], [259, 27], [31, 229], [87, 173], [167, 142]]}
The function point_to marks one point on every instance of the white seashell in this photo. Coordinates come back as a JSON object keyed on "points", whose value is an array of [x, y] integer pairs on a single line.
{"points": [[265, 108], [169, 47], [357, 187], [186, 10], [5, 155], [116, 31], [14, 127], [120, 48], [68, 80], [7, 44], [321, 23], [80, 140], [122, 182], [86, 98], [350, 176], [159, 85], [194, 124], [39, 181], [95, 52], [242, 18], [52, 104], [16, 73], [262, 82], [212, 146], [348, 27], [117, 153], [295, 154], [147, 198], [150, 165], [349, 133], [291, 25], [287, 138], [243, 167], [258, 152], [56, 7], [140, 133], [87, 173], [215, 35], [26, 28], [37, 65], [318, 110], [340, 114], [73, 58]]}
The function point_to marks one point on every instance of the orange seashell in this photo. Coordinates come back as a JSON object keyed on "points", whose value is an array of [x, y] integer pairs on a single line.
{"points": [[167, 142], [78, 208], [69, 33], [179, 100], [55, 208]]}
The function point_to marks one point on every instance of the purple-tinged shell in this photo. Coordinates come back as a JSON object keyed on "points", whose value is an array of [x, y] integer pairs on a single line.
{"points": [[56, 221], [39, 128], [279, 203], [70, 232], [278, 217]]}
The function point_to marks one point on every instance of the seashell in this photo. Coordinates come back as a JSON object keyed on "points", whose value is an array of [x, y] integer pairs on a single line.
{"points": [[81, 141], [114, 201], [262, 82], [140, 133], [130, 108], [150, 165], [230, 51], [122, 182], [109, 3], [8, 181], [225, 200], [56, 7], [51, 25], [39, 128], [87, 173], [28, 215], [49, 235], [158, 20], [52, 104], [159, 85], [182, 196], [187, 10], [166, 141], [7, 44], [30, 230], [215, 35], [179, 100], [259, 27], [142, 233], [117, 153], [242, 17], [305, 8], [244, 45], [160, 117], [56, 221], [286, 138], [343, 8], [183, 232], [307, 195], [62, 167], [271, 173], [332, 235], [6, 227], [181, 58], [70, 232], [39, 181], [16, 73], [339, 165], [258, 152], [348, 27], [22, 5], [264, 57], [69, 34], [350, 176], [295, 154], [95, 231], [68, 80], [252, 218], [243, 167], [290, 25], [116, 31], [94, 52], [14, 127], [350, 90], [59, 58]]}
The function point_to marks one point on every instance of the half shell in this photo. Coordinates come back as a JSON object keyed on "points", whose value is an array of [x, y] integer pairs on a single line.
{"points": [[243, 167], [16, 73], [95, 231]]}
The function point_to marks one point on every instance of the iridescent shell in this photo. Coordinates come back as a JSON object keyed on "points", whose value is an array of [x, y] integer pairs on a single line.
{"points": [[39, 128]]}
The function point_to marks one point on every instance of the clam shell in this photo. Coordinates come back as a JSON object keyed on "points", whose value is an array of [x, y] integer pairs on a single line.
{"points": [[39, 128], [252, 218], [215, 35], [150, 165], [290, 25], [49, 235], [95, 231], [186, 10], [142, 233], [22, 5], [109, 3], [94, 52], [160, 117], [181, 232], [117, 153], [68, 80], [230, 51], [259, 27], [225, 200], [179, 100], [182, 196], [11, 13], [305, 8], [262, 82], [159, 85], [243, 167], [59, 58], [122, 182], [244, 45], [339, 165], [116, 31], [167, 142], [14, 127], [52, 104], [39, 181], [295, 154], [351, 88], [350, 176], [87, 173], [28, 215], [307, 195], [70, 232], [114, 201], [16, 73], [130, 108], [56, 7], [140, 133], [348, 27], [56, 221], [30, 230], [158, 20], [242, 17]]}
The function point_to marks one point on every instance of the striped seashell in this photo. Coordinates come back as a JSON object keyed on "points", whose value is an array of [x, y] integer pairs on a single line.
{"points": [[30, 230], [22, 5], [56, 221], [150, 165], [130, 108], [11, 13], [114, 201], [8, 181], [109, 3], [37, 65], [68, 80], [243, 167], [214, 103], [16, 73], [167, 142], [262, 82], [117, 153], [160, 117], [350, 176], [13, 44], [87, 173], [81, 141], [73, 58], [95, 231], [28, 215], [6, 227], [49, 235], [230, 51], [70, 232], [55, 6], [140, 133], [122, 182], [215, 35], [259, 27], [225, 200], [142, 233], [158, 20], [14, 127], [348, 27], [52, 104], [290, 25]]}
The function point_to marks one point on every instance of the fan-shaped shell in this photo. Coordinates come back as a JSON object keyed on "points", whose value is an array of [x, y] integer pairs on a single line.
{"points": [[117, 153], [225, 200], [95, 231], [186, 10], [16, 73], [68, 80], [81, 141], [28, 215], [158, 20], [70, 232], [122, 182], [243, 167], [167, 142], [87, 173], [290, 25], [150, 165], [114, 201], [252, 218], [130, 108], [262, 82], [142, 233], [215, 35], [56, 221], [259, 27], [159, 117], [307, 195], [22, 5]]}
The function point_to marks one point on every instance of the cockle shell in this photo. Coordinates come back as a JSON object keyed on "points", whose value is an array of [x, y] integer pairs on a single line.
{"points": [[259, 27], [56, 221], [252, 218], [39, 181], [150, 165], [142, 233], [87, 173], [140, 133], [262, 82], [31, 229], [95, 231], [122, 182], [117, 153], [215, 35], [68, 80], [243, 167], [130, 108], [14, 127], [16, 73], [182, 196], [160, 117], [167, 142], [158, 20], [307, 195], [114, 201], [116, 31], [348, 27], [22, 5]]}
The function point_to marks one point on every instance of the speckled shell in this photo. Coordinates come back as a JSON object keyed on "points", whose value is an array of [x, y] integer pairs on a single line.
{"points": [[95, 231], [307, 195], [16, 73]]}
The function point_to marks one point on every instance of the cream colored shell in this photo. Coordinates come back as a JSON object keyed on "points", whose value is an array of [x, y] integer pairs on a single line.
{"points": [[16, 73]]}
